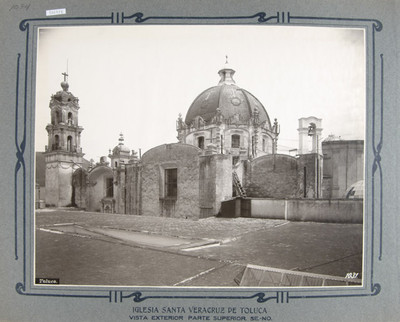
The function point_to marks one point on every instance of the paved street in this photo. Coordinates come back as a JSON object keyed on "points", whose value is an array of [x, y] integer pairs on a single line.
{"points": [[103, 249]]}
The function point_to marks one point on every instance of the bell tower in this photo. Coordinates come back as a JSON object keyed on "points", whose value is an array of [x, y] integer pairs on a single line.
{"points": [[63, 154]]}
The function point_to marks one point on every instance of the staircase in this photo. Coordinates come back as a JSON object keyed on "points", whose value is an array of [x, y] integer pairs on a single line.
{"points": [[239, 188]]}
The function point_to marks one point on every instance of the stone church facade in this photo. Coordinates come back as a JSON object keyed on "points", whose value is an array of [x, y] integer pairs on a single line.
{"points": [[227, 148]]}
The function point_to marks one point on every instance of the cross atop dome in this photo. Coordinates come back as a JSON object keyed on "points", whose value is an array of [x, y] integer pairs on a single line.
{"points": [[64, 84], [65, 76]]}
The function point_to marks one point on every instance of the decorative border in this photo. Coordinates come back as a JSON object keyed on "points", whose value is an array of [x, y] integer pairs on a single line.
{"points": [[258, 18]]}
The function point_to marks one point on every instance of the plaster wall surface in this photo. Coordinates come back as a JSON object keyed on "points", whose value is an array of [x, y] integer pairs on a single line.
{"points": [[318, 210], [97, 187], [335, 210], [343, 166], [275, 208], [59, 184]]}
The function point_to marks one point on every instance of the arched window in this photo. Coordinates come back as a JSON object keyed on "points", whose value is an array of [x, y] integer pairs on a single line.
{"points": [[69, 143], [70, 121], [56, 143], [200, 142], [235, 141]]}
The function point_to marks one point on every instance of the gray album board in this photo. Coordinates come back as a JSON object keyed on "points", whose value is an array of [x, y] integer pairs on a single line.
{"points": [[109, 47]]}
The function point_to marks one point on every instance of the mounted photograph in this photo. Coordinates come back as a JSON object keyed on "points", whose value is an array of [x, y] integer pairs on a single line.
{"points": [[199, 156]]}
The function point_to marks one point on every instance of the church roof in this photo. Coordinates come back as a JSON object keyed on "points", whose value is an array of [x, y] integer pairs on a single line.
{"points": [[230, 100]]}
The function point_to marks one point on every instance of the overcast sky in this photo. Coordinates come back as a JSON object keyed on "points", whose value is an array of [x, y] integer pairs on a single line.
{"points": [[135, 80]]}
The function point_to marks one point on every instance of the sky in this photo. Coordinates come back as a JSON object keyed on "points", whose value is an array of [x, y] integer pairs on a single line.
{"points": [[136, 80]]}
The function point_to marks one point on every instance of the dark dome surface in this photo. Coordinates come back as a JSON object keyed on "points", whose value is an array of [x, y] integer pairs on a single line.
{"points": [[230, 99]]}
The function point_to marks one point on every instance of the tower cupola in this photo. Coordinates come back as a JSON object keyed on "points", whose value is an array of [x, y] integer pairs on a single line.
{"points": [[226, 73]]}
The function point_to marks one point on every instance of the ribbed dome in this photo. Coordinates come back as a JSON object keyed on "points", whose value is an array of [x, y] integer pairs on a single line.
{"points": [[232, 101]]}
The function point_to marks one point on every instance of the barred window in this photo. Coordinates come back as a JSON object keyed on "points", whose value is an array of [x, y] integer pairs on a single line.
{"points": [[235, 141], [171, 183], [109, 187]]}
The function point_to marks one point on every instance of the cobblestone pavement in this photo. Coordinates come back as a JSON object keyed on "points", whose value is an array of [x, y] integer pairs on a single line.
{"points": [[211, 228], [331, 249]]}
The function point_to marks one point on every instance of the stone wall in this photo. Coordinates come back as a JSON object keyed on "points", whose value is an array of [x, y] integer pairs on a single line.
{"points": [[309, 168], [271, 176], [79, 188], [154, 162], [133, 189], [120, 189]]}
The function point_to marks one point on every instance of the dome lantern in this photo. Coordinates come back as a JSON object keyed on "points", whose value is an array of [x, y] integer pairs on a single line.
{"points": [[226, 73]]}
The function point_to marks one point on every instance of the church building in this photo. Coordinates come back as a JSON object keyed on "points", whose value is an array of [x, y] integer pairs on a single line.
{"points": [[226, 149]]}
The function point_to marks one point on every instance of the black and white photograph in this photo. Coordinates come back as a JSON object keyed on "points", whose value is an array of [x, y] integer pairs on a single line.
{"points": [[199, 160], [200, 156]]}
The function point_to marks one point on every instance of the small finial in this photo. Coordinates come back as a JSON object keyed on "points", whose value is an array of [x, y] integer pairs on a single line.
{"points": [[121, 138], [226, 57]]}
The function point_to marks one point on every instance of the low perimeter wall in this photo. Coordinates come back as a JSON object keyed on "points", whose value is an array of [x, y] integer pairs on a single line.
{"points": [[319, 210]]}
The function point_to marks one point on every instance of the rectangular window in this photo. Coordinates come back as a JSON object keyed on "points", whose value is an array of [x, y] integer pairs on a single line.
{"points": [[235, 141], [171, 183], [109, 187]]}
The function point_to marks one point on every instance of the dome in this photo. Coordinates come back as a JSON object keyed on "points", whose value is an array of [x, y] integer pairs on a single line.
{"points": [[228, 99], [355, 191]]}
